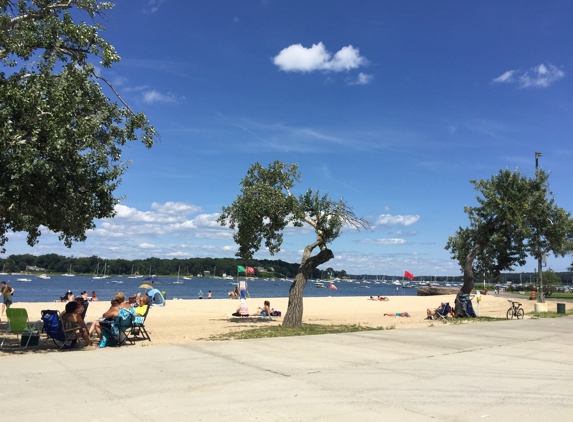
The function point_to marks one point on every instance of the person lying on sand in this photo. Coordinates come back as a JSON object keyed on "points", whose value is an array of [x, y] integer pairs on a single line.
{"points": [[399, 314], [380, 298]]}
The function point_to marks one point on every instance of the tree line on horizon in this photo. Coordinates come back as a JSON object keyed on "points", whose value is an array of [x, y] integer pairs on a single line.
{"points": [[54, 263]]}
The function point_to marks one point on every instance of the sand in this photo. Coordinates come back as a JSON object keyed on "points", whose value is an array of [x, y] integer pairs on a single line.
{"points": [[186, 321]]}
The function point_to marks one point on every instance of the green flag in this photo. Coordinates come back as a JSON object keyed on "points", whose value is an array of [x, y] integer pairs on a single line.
{"points": [[241, 269]]}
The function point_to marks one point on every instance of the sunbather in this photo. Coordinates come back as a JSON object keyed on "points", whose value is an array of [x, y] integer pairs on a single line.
{"points": [[71, 314], [430, 312], [110, 314], [399, 314], [242, 310], [265, 310], [141, 309]]}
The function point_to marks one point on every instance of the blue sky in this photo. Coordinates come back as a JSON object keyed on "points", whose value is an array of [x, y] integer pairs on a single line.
{"points": [[392, 105]]}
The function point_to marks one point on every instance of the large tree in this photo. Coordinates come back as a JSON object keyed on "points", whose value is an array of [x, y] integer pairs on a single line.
{"points": [[266, 206], [61, 136], [516, 217]]}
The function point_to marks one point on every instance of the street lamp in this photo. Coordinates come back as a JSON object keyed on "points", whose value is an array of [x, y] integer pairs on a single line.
{"points": [[539, 263]]}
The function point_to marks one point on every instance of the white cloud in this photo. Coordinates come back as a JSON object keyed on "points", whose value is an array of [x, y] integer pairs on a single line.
{"points": [[541, 76], [153, 6], [146, 246], [297, 58], [154, 96], [362, 79], [506, 77], [384, 241], [387, 220]]}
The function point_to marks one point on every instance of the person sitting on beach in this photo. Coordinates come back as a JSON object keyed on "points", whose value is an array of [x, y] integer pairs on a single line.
{"points": [[118, 308], [242, 310], [430, 312], [93, 297], [265, 310], [234, 294], [67, 297], [200, 294], [399, 314], [141, 309], [72, 314], [209, 294]]}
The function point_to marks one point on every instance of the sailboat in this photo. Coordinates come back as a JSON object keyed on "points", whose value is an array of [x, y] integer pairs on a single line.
{"points": [[69, 273], [135, 274], [178, 282], [186, 276], [103, 276]]}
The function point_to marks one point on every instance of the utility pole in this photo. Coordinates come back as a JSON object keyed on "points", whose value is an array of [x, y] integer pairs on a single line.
{"points": [[540, 298]]}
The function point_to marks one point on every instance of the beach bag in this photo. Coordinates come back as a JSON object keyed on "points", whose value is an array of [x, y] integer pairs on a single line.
{"points": [[274, 312]]}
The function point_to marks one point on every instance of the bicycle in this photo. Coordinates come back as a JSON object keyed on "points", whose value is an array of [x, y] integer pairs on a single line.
{"points": [[515, 310]]}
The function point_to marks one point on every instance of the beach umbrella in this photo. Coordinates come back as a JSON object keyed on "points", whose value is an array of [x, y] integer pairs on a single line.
{"points": [[146, 286]]}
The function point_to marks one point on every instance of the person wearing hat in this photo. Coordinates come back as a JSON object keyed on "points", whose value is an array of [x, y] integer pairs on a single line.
{"points": [[242, 310]]}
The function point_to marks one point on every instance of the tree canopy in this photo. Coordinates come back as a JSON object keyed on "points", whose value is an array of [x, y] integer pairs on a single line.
{"points": [[61, 136], [516, 217], [266, 206]]}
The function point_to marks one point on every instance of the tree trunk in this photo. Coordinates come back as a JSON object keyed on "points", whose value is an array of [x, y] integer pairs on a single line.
{"points": [[469, 269], [293, 316], [468, 277]]}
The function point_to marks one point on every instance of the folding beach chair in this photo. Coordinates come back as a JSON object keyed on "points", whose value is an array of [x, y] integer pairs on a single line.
{"points": [[443, 312], [18, 324], [63, 336], [114, 331], [138, 330]]}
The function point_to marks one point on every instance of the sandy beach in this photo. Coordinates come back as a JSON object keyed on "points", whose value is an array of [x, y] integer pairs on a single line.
{"points": [[185, 321]]}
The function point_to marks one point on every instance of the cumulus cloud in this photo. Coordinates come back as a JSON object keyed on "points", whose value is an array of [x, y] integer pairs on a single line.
{"points": [[164, 219], [146, 246], [387, 220], [154, 96], [541, 76], [297, 58]]}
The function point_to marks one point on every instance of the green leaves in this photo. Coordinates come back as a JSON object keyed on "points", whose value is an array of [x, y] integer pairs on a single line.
{"points": [[61, 136], [266, 206], [516, 217]]}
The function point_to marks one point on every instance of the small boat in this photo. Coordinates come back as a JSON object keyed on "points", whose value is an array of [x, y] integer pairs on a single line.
{"points": [[44, 277], [178, 282], [320, 285], [22, 280], [117, 282], [69, 273]]}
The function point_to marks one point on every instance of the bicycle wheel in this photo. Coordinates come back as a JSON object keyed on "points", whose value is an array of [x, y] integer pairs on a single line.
{"points": [[519, 313], [510, 313]]}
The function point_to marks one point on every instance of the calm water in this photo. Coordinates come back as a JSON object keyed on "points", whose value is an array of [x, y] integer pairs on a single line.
{"points": [[39, 290]]}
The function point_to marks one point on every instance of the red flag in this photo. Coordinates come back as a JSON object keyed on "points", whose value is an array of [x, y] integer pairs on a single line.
{"points": [[333, 287], [250, 270], [408, 275]]}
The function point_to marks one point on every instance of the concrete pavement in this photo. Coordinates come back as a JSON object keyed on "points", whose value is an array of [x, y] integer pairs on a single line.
{"points": [[510, 370]]}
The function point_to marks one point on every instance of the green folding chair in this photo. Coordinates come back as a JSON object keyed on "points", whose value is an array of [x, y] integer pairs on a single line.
{"points": [[18, 324]]}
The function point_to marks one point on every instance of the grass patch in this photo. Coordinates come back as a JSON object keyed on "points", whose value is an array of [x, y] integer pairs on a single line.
{"points": [[549, 314], [303, 330], [557, 295]]}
